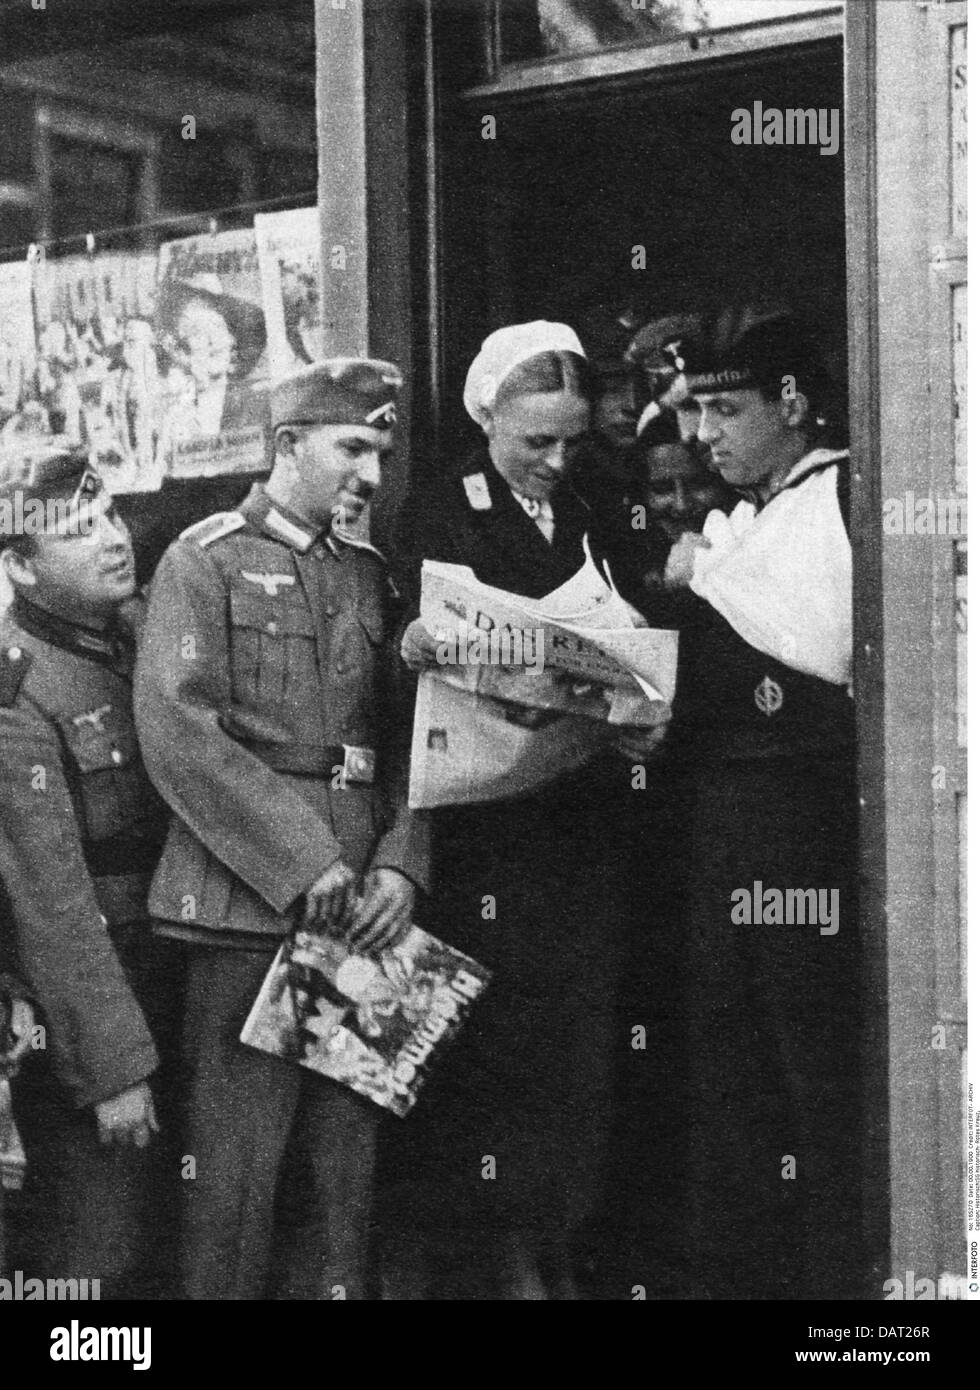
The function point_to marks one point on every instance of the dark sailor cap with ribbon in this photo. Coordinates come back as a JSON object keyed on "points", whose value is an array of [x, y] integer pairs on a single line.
{"points": [[752, 346], [338, 391]]}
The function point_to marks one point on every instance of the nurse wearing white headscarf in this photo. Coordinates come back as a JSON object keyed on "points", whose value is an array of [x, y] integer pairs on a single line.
{"points": [[505, 349], [529, 1080]]}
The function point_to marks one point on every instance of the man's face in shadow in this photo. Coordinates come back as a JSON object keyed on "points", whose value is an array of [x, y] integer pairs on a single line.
{"points": [[679, 491]]}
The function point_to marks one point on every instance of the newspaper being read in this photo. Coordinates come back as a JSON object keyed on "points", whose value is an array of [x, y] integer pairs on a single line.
{"points": [[529, 687], [374, 1024]]}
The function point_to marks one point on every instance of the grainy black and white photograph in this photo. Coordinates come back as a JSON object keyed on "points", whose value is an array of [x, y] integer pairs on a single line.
{"points": [[483, 539]]}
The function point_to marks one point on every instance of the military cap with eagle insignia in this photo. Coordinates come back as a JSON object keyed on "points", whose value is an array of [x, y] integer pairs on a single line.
{"points": [[49, 470], [661, 351], [338, 391], [661, 346]]}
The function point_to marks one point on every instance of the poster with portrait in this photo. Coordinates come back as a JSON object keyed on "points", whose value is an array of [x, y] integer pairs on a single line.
{"points": [[97, 373], [210, 327], [18, 355], [289, 260]]}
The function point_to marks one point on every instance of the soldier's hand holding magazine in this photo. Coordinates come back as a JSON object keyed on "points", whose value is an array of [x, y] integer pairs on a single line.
{"points": [[369, 922], [384, 914], [330, 900]]}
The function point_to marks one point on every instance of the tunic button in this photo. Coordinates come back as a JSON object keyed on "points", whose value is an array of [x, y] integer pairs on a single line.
{"points": [[117, 757], [272, 628], [14, 653]]}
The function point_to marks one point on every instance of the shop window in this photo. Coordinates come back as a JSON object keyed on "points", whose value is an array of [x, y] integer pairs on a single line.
{"points": [[18, 202], [93, 171], [197, 175], [194, 115]]}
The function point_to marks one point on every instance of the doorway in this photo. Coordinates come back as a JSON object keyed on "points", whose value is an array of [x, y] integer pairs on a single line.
{"points": [[632, 193]]}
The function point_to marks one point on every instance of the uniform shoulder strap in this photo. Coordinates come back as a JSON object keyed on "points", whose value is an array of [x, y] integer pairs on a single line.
{"points": [[15, 662], [213, 528]]}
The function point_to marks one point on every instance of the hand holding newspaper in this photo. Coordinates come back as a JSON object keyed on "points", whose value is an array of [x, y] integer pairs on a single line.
{"points": [[527, 689]]}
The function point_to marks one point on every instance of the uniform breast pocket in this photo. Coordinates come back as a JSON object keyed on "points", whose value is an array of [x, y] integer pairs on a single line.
{"points": [[273, 649], [108, 775], [357, 642], [372, 620]]}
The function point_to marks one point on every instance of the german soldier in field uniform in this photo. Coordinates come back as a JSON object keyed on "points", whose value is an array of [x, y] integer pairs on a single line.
{"points": [[261, 706], [80, 831]]}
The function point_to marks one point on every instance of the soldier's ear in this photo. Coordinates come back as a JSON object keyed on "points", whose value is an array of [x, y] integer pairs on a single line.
{"points": [[487, 422], [795, 409], [285, 441], [18, 568]]}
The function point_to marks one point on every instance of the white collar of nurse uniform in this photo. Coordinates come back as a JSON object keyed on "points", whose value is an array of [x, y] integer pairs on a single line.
{"points": [[540, 511]]}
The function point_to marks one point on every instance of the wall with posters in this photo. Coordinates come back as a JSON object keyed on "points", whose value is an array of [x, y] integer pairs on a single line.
{"points": [[159, 364], [140, 127]]}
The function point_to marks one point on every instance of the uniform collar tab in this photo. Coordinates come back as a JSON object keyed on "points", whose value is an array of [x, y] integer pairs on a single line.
{"points": [[277, 522], [112, 647], [338, 532]]}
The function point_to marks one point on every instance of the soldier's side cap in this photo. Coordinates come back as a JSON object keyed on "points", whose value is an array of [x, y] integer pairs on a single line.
{"points": [[29, 479], [338, 391]]}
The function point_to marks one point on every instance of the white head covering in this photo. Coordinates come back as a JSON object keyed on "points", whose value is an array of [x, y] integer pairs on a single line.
{"points": [[506, 349]]}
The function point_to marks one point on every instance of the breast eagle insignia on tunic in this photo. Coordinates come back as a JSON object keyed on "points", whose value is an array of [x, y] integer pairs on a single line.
{"points": [[93, 717], [270, 582]]}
